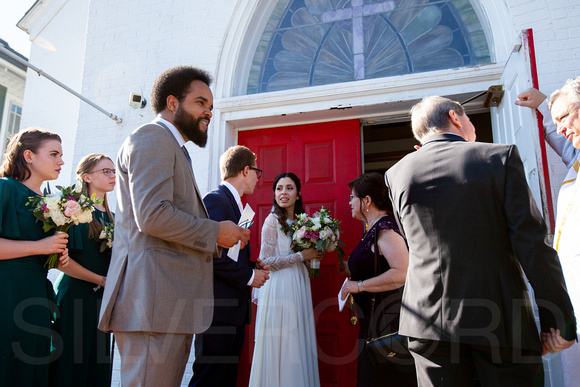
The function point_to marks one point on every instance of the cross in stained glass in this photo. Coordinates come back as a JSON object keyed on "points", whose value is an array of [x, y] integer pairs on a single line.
{"points": [[356, 12]]}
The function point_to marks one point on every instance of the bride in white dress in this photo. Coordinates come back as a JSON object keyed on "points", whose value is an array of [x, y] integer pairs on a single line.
{"points": [[285, 345]]}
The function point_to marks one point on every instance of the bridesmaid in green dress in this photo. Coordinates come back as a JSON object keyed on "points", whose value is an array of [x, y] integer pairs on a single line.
{"points": [[32, 157], [84, 356]]}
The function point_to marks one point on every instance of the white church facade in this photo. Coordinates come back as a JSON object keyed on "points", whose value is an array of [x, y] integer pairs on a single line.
{"points": [[319, 88]]}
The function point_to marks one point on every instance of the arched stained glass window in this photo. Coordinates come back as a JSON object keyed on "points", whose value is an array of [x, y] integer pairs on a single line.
{"points": [[318, 42]]}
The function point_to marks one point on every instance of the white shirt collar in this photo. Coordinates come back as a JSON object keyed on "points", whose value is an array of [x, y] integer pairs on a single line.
{"points": [[236, 194], [173, 130]]}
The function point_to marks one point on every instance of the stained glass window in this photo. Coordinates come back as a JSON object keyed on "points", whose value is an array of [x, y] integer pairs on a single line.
{"points": [[319, 42]]}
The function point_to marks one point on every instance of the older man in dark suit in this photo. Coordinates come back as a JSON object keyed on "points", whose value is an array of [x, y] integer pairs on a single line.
{"points": [[218, 350], [473, 230]]}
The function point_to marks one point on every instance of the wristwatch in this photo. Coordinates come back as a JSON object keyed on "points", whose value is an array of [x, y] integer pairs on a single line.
{"points": [[359, 283]]}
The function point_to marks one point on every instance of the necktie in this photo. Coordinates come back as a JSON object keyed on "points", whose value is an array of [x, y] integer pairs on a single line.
{"points": [[187, 156]]}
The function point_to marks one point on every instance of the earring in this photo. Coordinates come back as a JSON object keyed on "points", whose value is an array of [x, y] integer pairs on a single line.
{"points": [[28, 162]]}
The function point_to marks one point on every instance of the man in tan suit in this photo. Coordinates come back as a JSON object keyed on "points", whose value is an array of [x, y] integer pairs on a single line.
{"points": [[159, 290]]}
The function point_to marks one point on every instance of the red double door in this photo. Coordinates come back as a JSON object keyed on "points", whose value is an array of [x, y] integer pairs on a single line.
{"points": [[325, 157]]}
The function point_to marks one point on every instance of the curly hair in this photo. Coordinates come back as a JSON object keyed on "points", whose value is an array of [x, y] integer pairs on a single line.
{"points": [[13, 163], [298, 206], [175, 81]]}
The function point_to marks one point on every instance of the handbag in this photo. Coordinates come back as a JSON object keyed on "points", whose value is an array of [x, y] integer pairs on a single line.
{"points": [[389, 348]]}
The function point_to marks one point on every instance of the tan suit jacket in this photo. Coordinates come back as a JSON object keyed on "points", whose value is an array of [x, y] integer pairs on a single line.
{"points": [[161, 273]]}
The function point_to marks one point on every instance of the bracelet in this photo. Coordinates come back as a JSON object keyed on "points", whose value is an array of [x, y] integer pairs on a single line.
{"points": [[100, 285], [359, 283]]}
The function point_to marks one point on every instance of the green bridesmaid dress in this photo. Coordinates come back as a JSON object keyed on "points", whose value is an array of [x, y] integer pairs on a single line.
{"points": [[27, 306], [82, 352]]}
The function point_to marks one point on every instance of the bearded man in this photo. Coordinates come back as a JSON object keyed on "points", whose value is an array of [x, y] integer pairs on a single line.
{"points": [[160, 282]]}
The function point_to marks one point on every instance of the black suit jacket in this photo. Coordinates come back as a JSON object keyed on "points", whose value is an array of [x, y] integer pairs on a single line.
{"points": [[231, 290], [473, 230]]}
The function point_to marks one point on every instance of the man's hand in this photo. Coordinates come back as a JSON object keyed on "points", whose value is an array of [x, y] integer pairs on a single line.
{"points": [[531, 98], [553, 342], [260, 278], [230, 233]]}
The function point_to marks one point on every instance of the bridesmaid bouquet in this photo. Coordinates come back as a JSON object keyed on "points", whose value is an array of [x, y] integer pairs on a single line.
{"points": [[106, 236], [319, 231], [68, 206]]}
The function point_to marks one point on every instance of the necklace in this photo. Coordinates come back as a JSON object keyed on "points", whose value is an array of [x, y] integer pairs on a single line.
{"points": [[371, 224]]}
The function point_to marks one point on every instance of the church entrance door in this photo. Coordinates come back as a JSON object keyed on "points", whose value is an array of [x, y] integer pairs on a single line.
{"points": [[325, 156]]}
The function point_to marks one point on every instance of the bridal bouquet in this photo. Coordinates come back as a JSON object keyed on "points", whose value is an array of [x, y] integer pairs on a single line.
{"points": [[319, 231], [68, 206]]}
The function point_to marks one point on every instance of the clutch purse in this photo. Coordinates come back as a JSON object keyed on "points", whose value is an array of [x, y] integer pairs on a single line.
{"points": [[388, 349]]}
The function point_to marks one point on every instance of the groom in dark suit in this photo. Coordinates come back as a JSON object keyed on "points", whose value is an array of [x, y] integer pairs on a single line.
{"points": [[473, 230], [217, 351]]}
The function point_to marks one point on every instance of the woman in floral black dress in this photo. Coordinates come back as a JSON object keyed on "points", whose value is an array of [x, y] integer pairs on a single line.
{"points": [[370, 203]]}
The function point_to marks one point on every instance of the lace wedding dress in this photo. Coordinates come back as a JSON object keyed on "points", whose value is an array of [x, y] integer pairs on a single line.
{"points": [[285, 345]]}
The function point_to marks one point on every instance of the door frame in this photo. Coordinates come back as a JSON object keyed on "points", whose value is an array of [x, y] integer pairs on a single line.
{"points": [[364, 100]]}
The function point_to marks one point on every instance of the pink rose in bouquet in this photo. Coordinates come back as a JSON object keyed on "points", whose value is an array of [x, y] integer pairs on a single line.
{"points": [[61, 210], [301, 232], [71, 208]]}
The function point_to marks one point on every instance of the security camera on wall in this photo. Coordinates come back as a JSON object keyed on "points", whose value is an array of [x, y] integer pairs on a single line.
{"points": [[136, 101]]}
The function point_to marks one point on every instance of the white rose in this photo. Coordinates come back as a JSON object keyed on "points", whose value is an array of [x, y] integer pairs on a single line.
{"points": [[316, 225], [51, 199], [83, 217], [325, 234], [52, 202], [58, 218]]}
